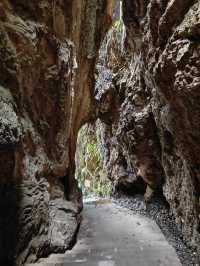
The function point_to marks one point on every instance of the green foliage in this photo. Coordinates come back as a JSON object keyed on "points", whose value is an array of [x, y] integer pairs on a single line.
{"points": [[90, 173]]}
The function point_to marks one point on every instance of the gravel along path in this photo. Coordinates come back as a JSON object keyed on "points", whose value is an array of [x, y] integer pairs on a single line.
{"points": [[160, 213]]}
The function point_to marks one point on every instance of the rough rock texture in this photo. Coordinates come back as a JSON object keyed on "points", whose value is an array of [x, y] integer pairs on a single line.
{"points": [[176, 107], [156, 133], [132, 148], [48, 50], [150, 108]]}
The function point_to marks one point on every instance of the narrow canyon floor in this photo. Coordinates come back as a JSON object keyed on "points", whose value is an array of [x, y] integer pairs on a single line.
{"points": [[110, 235]]}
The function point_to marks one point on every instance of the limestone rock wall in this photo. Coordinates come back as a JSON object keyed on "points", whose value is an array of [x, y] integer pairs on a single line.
{"points": [[171, 56], [149, 107], [48, 50], [156, 132]]}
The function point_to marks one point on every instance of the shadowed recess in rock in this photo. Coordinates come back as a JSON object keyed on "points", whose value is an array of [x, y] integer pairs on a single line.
{"points": [[9, 208]]}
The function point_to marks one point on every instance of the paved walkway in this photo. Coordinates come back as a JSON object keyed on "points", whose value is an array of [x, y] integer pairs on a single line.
{"points": [[112, 236]]}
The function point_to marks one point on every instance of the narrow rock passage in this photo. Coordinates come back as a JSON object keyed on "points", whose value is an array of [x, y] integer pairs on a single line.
{"points": [[111, 236]]}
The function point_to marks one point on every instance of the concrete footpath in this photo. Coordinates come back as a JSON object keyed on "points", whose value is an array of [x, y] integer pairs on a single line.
{"points": [[112, 236]]}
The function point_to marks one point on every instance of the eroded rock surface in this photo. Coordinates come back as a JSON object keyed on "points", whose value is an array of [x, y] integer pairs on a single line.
{"points": [[156, 132], [149, 107], [47, 56]]}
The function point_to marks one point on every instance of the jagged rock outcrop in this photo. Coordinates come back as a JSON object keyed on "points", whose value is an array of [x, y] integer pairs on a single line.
{"points": [[48, 50], [156, 133], [149, 107], [171, 56]]}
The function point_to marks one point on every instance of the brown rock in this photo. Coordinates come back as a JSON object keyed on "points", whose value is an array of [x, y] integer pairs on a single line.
{"points": [[156, 132], [46, 63]]}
